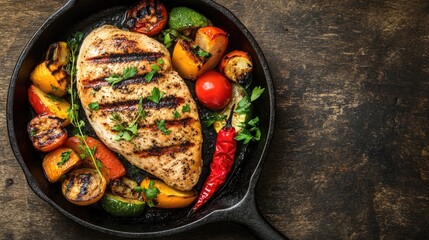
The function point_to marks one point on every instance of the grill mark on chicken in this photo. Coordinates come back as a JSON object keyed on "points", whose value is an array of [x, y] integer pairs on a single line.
{"points": [[159, 151], [165, 102], [96, 84], [125, 57]]}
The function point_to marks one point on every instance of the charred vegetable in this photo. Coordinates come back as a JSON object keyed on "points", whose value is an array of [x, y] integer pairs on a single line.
{"points": [[148, 17], [123, 200], [189, 60], [84, 186], [168, 197], [237, 66], [50, 75], [46, 132], [59, 162], [49, 104]]}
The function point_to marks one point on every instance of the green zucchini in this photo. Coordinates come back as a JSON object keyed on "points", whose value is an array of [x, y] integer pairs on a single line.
{"points": [[122, 207], [239, 97]]}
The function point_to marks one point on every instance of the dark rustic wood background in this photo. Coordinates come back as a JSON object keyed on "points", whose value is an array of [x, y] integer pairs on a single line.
{"points": [[350, 154]]}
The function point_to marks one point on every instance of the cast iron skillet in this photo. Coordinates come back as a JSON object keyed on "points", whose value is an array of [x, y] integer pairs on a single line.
{"points": [[235, 202]]}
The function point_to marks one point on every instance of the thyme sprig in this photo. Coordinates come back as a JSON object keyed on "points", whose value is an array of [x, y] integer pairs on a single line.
{"points": [[73, 112]]}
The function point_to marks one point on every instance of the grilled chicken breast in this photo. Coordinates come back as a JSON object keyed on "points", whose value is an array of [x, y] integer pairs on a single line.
{"points": [[174, 154]]}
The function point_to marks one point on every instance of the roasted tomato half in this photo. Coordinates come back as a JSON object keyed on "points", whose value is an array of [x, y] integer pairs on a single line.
{"points": [[148, 17], [46, 132]]}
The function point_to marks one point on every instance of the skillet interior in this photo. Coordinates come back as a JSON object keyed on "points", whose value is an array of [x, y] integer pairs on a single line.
{"points": [[83, 16]]}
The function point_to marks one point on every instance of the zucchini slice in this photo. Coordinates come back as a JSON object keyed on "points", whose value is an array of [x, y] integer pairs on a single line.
{"points": [[122, 207]]}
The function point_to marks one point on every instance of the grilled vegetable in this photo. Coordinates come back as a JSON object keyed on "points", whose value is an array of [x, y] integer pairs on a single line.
{"points": [[111, 164], [50, 104], [148, 17], [189, 60], [214, 41], [169, 197], [123, 200], [237, 66], [84, 186], [122, 207], [50, 75], [221, 165], [186, 20], [238, 119], [46, 132], [59, 162], [213, 90]]}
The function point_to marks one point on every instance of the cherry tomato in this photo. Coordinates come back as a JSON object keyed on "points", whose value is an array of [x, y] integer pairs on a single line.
{"points": [[46, 132], [213, 90], [148, 17]]}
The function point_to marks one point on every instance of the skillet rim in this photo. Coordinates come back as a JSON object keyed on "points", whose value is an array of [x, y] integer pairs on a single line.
{"points": [[216, 215]]}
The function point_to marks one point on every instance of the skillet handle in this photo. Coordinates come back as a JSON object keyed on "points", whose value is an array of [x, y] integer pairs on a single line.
{"points": [[248, 214]]}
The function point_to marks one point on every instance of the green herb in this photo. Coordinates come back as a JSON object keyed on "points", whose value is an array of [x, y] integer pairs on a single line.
{"points": [[138, 189], [160, 61], [203, 53], [65, 156], [94, 106], [54, 98], [168, 42], [243, 106], [128, 132], [99, 163], [73, 112], [152, 72], [213, 117], [32, 132], [151, 193], [186, 108], [256, 93], [251, 132], [176, 114], [161, 126], [115, 78], [156, 95]]}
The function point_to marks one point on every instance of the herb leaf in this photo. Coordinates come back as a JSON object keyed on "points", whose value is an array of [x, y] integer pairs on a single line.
{"points": [[176, 114], [127, 72], [127, 132], [243, 106], [161, 126], [152, 72], [65, 156], [156, 95], [186, 108], [151, 193], [94, 106], [256, 93], [211, 118], [251, 132], [203, 53]]}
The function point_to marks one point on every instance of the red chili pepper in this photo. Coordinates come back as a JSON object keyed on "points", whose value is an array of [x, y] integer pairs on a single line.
{"points": [[221, 165]]}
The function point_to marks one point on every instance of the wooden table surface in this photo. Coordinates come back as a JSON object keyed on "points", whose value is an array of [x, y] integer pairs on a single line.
{"points": [[350, 154]]}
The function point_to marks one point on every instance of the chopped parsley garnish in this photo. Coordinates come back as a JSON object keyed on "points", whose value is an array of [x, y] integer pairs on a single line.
{"points": [[99, 163], [65, 156], [211, 118], [138, 189], [243, 106], [94, 106], [176, 114], [152, 72], [161, 126], [203, 53], [127, 132], [186, 108], [115, 78], [251, 132], [151, 192], [156, 95], [256, 93], [54, 98]]}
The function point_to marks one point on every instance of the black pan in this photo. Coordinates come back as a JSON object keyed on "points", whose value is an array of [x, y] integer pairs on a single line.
{"points": [[235, 202]]}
